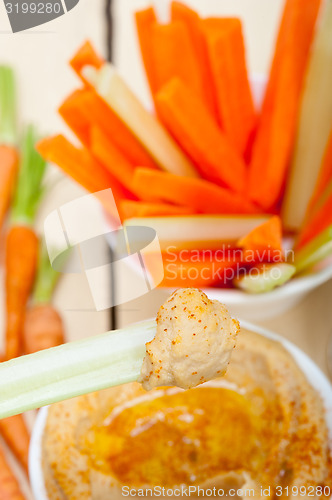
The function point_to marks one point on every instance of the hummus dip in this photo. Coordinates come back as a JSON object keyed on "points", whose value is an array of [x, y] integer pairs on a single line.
{"points": [[193, 344], [261, 425]]}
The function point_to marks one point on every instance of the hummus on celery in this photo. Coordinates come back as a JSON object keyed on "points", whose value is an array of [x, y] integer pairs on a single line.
{"points": [[262, 424], [194, 341]]}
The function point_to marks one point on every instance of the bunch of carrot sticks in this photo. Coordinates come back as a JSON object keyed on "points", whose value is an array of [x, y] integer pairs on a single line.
{"points": [[206, 148], [31, 322]]}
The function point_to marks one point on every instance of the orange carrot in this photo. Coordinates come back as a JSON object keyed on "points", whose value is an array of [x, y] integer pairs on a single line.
{"points": [[199, 270], [191, 19], [277, 126], [16, 435], [77, 163], [9, 486], [130, 209], [197, 194], [43, 326], [191, 124], [226, 51], [109, 156], [264, 240], [8, 137], [8, 173], [80, 166], [161, 55], [73, 114], [324, 178], [169, 62], [145, 20], [21, 260], [84, 106], [22, 243], [86, 55], [314, 225]]}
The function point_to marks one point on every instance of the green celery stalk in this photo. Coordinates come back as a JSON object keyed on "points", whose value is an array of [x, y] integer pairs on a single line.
{"points": [[46, 279], [8, 134], [73, 369], [314, 125], [268, 277], [29, 190], [315, 251]]}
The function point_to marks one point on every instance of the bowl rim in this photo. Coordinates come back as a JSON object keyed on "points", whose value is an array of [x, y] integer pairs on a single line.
{"points": [[311, 370], [297, 286]]}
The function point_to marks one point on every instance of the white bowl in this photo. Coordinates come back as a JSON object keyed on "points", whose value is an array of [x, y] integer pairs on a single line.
{"points": [[257, 307], [313, 373]]}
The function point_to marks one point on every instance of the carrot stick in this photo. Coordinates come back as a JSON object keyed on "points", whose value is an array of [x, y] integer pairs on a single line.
{"points": [[8, 174], [43, 326], [73, 114], [191, 19], [85, 55], [9, 486], [277, 126], [203, 270], [85, 106], [324, 177], [8, 151], [199, 195], [80, 166], [145, 20], [16, 435], [161, 56], [22, 243], [315, 225], [224, 39], [109, 156], [191, 124], [21, 257], [169, 62], [130, 209], [77, 163], [264, 241]]}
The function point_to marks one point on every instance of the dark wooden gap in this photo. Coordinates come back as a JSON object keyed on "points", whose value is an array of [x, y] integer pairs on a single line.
{"points": [[110, 57]]}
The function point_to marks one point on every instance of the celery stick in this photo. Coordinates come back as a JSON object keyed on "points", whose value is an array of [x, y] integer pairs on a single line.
{"points": [[314, 126], [199, 231], [315, 251], [73, 369], [46, 280], [112, 88], [29, 188], [7, 106], [265, 278]]}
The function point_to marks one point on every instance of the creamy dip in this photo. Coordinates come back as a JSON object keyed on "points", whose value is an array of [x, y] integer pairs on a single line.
{"points": [[193, 344]]}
